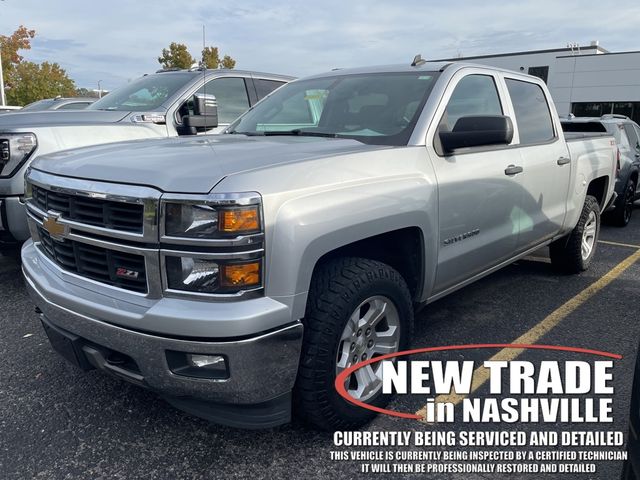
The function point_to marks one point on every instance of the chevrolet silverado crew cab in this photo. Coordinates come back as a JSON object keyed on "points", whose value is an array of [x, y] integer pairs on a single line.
{"points": [[237, 275], [164, 104]]}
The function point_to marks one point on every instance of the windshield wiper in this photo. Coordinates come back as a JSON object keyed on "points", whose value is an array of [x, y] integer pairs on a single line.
{"points": [[248, 134], [300, 133], [292, 133]]}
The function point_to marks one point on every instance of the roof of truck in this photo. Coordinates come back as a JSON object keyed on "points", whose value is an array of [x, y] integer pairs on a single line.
{"points": [[424, 67], [210, 71]]}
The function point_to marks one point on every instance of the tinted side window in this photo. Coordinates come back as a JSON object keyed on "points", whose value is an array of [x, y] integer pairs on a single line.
{"points": [[474, 95], [532, 112], [265, 87], [231, 94]]}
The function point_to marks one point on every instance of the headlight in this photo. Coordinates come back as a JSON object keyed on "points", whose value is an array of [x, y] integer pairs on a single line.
{"points": [[205, 221], [201, 275], [191, 221], [15, 148]]}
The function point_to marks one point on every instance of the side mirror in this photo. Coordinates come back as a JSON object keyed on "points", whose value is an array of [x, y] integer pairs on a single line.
{"points": [[477, 131], [205, 113]]}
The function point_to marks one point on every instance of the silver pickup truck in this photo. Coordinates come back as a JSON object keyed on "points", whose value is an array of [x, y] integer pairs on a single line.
{"points": [[238, 274], [164, 104]]}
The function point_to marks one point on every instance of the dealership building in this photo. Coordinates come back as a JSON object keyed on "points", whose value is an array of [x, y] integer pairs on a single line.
{"points": [[583, 80]]}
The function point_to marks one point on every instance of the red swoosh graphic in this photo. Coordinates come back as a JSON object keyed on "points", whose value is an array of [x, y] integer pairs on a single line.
{"points": [[340, 379]]}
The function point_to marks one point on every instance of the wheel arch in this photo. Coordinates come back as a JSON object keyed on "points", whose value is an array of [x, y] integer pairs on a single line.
{"points": [[598, 188]]}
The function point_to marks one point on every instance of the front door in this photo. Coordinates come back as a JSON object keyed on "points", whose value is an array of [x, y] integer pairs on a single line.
{"points": [[479, 190]]}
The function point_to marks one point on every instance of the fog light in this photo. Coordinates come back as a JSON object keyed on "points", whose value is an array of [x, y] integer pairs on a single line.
{"points": [[198, 365], [205, 361]]}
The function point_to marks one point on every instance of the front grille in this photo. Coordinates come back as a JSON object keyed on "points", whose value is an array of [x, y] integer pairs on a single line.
{"points": [[97, 263], [126, 217]]}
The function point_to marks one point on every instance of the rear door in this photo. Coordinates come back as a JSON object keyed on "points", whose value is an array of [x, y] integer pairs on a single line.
{"points": [[477, 197], [545, 160]]}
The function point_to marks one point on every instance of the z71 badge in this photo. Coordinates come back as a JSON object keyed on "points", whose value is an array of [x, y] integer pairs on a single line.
{"points": [[126, 273]]}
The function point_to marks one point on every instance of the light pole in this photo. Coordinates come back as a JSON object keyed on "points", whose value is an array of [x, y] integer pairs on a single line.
{"points": [[3, 100], [99, 89]]}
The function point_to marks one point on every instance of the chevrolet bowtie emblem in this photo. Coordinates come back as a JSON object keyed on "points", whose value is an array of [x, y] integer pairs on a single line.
{"points": [[56, 229]]}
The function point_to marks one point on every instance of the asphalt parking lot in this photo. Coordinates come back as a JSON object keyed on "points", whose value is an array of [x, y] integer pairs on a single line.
{"points": [[58, 422]]}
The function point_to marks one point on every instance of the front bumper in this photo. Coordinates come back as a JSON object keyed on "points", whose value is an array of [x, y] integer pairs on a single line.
{"points": [[262, 366]]}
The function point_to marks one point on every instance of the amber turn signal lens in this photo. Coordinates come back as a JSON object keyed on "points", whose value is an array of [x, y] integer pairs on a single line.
{"points": [[239, 220], [241, 275]]}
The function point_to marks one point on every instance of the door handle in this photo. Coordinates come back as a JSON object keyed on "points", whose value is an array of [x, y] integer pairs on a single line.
{"points": [[564, 160], [513, 170]]}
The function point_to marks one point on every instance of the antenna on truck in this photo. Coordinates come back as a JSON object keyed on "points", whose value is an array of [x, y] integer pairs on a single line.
{"points": [[204, 73], [418, 60]]}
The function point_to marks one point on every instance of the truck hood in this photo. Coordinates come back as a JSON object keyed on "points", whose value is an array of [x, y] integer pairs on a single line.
{"points": [[190, 164], [49, 118]]}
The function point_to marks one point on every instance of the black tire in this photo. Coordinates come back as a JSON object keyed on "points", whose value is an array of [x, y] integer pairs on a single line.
{"points": [[621, 215], [337, 288], [566, 253]]}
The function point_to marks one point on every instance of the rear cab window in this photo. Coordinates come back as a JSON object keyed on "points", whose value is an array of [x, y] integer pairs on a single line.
{"points": [[532, 113]]}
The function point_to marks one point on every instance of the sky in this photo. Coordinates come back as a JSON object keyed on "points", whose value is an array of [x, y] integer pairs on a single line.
{"points": [[116, 41]]}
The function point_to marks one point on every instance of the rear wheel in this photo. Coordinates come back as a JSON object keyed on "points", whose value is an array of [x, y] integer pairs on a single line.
{"points": [[574, 253], [357, 309], [621, 215]]}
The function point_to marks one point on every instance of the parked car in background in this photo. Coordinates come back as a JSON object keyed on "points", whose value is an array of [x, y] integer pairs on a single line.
{"points": [[189, 266], [59, 103], [9, 108], [627, 135], [162, 104]]}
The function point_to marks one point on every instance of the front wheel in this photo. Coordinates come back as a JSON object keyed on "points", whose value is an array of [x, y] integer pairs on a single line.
{"points": [[357, 309], [574, 253]]}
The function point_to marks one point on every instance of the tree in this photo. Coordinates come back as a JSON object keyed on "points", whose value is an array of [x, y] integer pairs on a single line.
{"points": [[211, 59], [177, 56], [28, 82], [10, 45], [227, 62]]}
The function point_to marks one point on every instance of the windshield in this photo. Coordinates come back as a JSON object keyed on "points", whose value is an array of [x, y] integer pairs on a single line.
{"points": [[39, 105], [380, 108], [144, 94]]}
